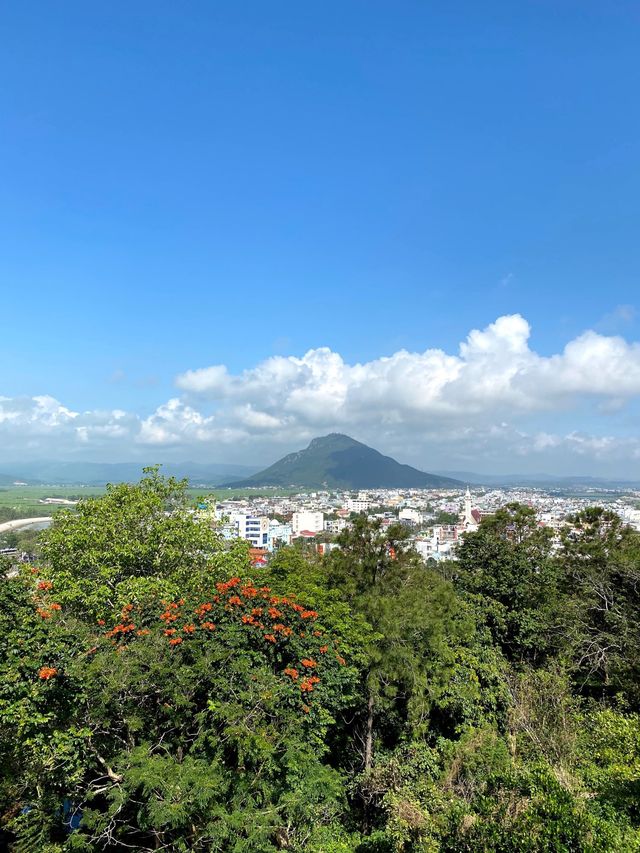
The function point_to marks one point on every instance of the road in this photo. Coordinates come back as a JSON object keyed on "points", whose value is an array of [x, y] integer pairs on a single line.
{"points": [[17, 523]]}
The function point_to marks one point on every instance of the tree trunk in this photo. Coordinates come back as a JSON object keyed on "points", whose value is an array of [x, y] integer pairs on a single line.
{"points": [[368, 761], [368, 744]]}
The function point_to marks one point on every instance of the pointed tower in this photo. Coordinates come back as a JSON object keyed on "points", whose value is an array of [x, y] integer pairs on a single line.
{"points": [[468, 518]]}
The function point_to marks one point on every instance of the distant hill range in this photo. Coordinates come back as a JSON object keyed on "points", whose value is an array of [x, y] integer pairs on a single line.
{"points": [[9, 480], [541, 480], [100, 473], [337, 461], [334, 461]]}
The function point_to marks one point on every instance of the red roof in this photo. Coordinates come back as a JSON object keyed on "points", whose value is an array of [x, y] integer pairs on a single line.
{"points": [[258, 556]]}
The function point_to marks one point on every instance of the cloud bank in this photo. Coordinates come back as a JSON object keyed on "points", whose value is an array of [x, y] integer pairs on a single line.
{"points": [[495, 371], [495, 402]]}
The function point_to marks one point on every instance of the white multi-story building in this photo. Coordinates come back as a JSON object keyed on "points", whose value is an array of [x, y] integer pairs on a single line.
{"points": [[426, 547], [433, 549], [335, 525], [279, 533], [254, 528], [357, 504], [307, 520], [439, 544], [412, 515]]}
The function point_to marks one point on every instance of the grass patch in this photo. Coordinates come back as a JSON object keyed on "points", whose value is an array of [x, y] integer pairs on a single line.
{"points": [[25, 501]]}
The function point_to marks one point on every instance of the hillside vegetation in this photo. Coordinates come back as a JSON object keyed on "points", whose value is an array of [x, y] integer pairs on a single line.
{"points": [[337, 461], [159, 693]]}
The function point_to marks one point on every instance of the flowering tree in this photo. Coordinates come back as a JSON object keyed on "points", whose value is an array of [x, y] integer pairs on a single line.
{"points": [[189, 721], [173, 722]]}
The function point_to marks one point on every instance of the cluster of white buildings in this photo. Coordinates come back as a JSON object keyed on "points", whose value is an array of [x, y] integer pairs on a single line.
{"points": [[438, 519]]}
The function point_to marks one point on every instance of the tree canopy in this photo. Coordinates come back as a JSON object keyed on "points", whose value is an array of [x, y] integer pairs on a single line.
{"points": [[157, 692]]}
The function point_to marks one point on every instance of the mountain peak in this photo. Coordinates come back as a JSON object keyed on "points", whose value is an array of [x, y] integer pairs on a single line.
{"points": [[337, 461], [332, 439]]}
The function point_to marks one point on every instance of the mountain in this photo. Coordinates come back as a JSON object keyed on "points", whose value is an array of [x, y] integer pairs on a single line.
{"points": [[337, 461], [100, 473]]}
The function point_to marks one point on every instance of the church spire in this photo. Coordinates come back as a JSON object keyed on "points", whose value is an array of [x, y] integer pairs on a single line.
{"points": [[468, 517]]}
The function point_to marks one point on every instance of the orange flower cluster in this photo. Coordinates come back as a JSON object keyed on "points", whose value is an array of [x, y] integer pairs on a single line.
{"points": [[230, 584], [47, 672], [236, 601], [44, 610], [170, 614], [121, 629]]}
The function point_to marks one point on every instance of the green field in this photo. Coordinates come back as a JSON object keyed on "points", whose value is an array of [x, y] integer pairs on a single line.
{"points": [[24, 501], [230, 494]]}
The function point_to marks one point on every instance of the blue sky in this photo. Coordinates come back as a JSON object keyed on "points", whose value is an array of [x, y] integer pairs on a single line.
{"points": [[200, 184]]}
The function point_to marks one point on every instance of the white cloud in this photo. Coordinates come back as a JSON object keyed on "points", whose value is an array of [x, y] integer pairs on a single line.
{"points": [[34, 413], [473, 406], [494, 371], [252, 419], [176, 423], [204, 379]]}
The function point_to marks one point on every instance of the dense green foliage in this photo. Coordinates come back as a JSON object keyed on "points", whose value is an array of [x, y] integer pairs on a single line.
{"points": [[442, 517], [159, 693], [24, 539], [10, 514]]}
